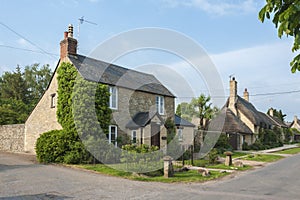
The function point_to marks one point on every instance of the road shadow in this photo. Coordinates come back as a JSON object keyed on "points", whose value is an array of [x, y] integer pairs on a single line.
{"points": [[43, 196], [11, 167]]}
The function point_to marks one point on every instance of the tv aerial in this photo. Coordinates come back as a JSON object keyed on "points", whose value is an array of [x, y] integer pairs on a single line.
{"points": [[81, 21]]}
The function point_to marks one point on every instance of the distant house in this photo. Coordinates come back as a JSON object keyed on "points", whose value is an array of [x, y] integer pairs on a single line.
{"points": [[296, 125], [185, 131], [241, 121], [140, 103]]}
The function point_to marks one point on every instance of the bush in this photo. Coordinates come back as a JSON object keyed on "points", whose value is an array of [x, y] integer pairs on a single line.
{"points": [[213, 156], [141, 158], [49, 147], [59, 146], [257, 145], [222, 144], [245, 146]]}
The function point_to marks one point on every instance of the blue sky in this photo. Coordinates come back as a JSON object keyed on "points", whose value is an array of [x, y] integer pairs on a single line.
{"points": [[229, 31]]}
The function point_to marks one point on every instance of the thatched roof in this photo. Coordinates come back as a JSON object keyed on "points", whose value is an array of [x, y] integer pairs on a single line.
{"points": [[256, 117], [227, 122]]}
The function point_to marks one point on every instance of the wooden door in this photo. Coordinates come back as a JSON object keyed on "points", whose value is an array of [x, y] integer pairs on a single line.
{"points": [[155, 134]]}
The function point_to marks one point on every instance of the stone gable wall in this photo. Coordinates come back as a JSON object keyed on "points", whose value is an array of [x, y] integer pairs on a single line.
{"points": [[43, 117], [12, 137]]}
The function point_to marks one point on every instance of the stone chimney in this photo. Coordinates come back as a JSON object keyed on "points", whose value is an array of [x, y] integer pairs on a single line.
{"points": [[69, 44], [271, 112], [246, 95], [295, 119], [233, 94]]}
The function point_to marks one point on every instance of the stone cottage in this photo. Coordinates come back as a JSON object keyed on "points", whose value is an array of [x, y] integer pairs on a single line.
{"points": [[140, 103], [242, 121], [296, 125]]}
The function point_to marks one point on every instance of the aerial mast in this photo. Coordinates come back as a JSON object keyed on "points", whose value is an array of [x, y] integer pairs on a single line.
{"points": [[80, 21]]}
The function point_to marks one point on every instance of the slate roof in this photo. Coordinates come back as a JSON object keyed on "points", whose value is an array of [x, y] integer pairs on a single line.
{"points": [[182, 122], [141, 119], [227, 122], [102, 72]]}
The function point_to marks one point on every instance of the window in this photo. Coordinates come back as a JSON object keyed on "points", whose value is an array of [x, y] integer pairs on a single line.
{"points": [[160, 104], [113, 99], [133, 136], [52, 103], [180, 136], [243, 139], [112, 135]]}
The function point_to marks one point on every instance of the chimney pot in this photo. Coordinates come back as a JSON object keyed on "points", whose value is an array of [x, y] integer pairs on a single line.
{"points": [[70, 30], [65, 34], [246, 95], [271, 112]]}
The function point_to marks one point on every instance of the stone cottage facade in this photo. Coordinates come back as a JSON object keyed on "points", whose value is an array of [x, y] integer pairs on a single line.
{"points": [[140, 103], [241, 120]]}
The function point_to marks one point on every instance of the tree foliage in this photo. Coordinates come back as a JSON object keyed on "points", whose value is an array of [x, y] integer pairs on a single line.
{"points": [[20, 91], [200, 107], [286, 15], [278, 114]]}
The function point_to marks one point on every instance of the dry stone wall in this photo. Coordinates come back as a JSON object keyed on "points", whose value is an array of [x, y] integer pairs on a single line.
{"points": [[12, 137]]}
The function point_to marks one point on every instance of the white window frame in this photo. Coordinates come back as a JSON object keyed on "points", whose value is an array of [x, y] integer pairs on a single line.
{"points": [[112, 97], [134, 132], [53, 100], [180, 134], [110, 133], [160, 104]]}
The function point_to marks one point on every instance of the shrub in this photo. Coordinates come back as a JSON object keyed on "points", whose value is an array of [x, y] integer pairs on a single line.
{"points": [[59, 146], [141, 158], [50, 147], [213, 156], [222, 144], [245, 146]]}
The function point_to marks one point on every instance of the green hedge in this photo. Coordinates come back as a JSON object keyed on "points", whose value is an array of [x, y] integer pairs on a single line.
{"points": [[59, 146]]}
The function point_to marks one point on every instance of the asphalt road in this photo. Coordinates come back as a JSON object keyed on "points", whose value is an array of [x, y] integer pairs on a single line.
{"points": [[20, 178]]}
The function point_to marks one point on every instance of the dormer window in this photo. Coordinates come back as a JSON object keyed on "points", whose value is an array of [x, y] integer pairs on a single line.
{"points": [[113, 99], [53, 100]]}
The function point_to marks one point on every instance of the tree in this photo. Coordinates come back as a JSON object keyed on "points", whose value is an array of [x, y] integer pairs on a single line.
{"points": [[185, 111], [286, 19], [202, 109], [20, 92], [278, 114], [37, 80], [13, 86]]}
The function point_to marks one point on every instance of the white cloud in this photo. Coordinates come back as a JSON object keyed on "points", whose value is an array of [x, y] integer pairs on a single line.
{"points": [[217, 7], [263, 69], [22, 42]]}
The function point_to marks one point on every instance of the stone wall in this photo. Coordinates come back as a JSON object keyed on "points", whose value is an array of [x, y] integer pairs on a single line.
{"points": [[43, 117], [12, 137]]}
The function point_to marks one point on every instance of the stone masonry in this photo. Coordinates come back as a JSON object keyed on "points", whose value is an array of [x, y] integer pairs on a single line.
{"points": [[12, 137]]}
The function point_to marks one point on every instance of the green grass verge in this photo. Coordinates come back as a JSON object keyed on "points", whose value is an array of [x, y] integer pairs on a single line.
{"points": [[236, 154], [263, 157], [222, 166], [189, 176], [289, 151]]}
